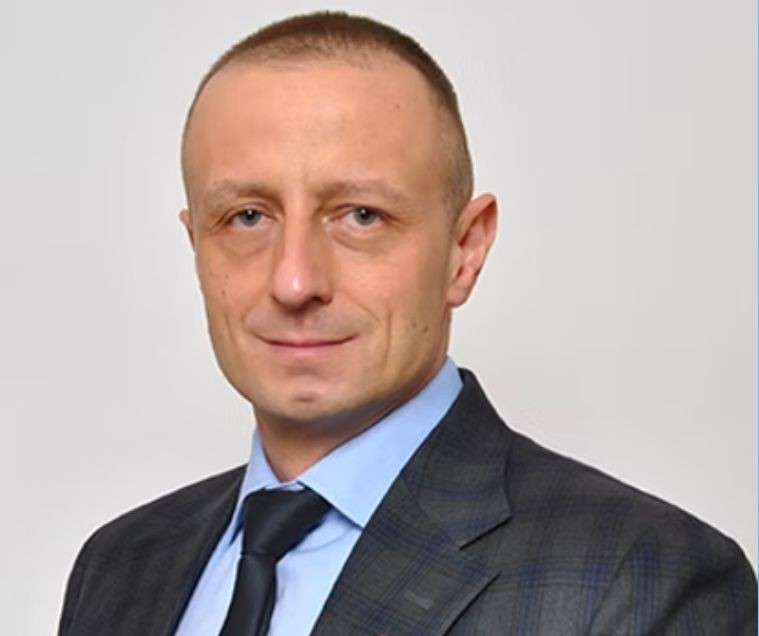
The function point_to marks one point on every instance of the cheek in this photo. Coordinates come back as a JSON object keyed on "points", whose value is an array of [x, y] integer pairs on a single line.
{"points": [[415, 299], [429, 300], [226, 289], [215, 286]]}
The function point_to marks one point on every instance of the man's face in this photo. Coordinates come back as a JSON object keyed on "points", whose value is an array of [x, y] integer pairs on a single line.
{"points": [[323, 240]]}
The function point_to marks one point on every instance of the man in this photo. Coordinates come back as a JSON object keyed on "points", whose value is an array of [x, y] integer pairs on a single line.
{"points": [[330, 208]]}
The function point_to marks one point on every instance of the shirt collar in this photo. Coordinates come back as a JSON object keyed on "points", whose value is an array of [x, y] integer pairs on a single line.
{"points": [[355, 476]]}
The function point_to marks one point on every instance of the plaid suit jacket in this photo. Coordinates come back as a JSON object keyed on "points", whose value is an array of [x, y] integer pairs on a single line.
{"points": [[484, 532]]}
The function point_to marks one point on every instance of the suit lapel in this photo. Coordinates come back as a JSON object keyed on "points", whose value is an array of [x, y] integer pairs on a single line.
{"points": [[410, 571], [194, 545], [163, 563]]}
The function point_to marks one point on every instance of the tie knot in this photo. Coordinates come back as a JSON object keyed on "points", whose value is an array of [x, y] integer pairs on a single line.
{"points": [[275, 521]]}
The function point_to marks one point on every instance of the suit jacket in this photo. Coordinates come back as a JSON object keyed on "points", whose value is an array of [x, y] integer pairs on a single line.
{"points": [[483, 532]]}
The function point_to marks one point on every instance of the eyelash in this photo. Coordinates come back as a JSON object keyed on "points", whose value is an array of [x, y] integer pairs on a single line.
{"points": [[238, 218]]}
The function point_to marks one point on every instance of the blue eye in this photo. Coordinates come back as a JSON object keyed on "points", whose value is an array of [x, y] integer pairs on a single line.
{"points": [[247, 218], [364, 216]]}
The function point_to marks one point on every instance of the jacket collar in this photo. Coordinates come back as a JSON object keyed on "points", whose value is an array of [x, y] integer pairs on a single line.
{"points": [[410, 570]]}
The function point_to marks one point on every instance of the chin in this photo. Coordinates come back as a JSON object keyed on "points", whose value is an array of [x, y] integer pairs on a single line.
{"points": [[303, 413], [324, 406]]}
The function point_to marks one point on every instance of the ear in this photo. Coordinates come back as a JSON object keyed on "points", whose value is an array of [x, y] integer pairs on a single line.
{"points": [[474, 233], [186, 219]]}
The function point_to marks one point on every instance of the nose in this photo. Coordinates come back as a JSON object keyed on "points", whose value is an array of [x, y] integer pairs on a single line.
{"points": [[301, 269]]}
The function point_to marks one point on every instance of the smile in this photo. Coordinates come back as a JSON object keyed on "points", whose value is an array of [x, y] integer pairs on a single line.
{"points": [[306, 346]]}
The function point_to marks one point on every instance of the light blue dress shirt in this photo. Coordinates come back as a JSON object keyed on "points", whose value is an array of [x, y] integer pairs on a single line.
{"points": [[354, 478]]}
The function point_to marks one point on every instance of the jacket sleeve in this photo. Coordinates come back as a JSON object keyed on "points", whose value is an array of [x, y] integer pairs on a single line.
{"points": [[71, 600], [78, 587], [680, 581]]}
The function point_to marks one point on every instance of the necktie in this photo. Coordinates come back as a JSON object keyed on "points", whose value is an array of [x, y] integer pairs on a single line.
{"points": [[274, 521]]}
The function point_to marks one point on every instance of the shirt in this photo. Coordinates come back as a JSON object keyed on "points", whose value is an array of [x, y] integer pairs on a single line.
{"points": [[353, 478]]}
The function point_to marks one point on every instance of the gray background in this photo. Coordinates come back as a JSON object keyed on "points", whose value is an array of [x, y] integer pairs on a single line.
{"points": [[615, 320]]}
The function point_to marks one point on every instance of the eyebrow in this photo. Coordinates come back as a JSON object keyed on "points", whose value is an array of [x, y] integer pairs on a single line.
{"points": [[361, 187], [224, 189]]}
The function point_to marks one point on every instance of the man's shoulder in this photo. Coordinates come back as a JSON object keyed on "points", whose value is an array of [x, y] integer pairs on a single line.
{"points": [[573, 506], [570, 547], [584, 546], [557, 505], [164, 516]]}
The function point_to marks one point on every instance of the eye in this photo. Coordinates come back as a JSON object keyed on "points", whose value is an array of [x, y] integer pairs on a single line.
{"points": [[246, 218], [364, 216]]}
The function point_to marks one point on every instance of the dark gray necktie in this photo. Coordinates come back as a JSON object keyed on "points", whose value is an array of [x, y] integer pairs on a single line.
{"points": [[274, 521]]}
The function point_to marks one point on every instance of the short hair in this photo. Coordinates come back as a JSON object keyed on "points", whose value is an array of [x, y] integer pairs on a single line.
{"points": [[330, 35]]}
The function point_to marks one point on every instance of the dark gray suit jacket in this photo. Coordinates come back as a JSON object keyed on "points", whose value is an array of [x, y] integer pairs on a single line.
{"points": [[484, 532]]}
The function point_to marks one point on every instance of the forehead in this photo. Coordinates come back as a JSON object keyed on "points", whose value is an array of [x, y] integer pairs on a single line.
{"points": [[384, 77], [305, 116]]}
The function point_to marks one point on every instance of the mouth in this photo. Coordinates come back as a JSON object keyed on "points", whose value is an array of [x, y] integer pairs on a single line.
{"points": [[306, 345]]}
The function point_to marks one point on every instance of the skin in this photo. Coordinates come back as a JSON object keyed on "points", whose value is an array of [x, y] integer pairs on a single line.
{"points": [[327, 256]]}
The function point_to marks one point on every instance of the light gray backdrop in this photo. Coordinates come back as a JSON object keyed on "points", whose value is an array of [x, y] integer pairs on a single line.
{"points": [[615, 321]]}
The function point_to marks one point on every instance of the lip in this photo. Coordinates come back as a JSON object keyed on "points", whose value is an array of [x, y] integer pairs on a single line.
{"points": [[307, 346]]}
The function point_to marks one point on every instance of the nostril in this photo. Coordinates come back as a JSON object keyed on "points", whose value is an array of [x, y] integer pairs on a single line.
{"points": [[294, 287], [301, 272]]}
